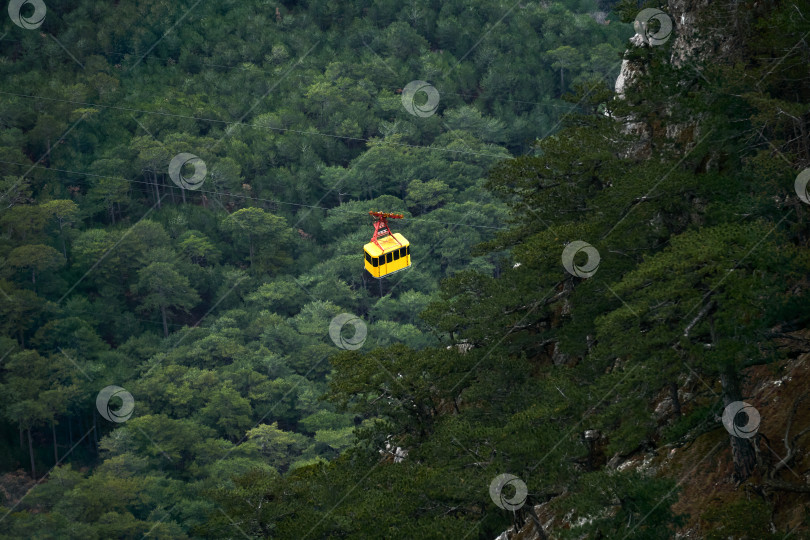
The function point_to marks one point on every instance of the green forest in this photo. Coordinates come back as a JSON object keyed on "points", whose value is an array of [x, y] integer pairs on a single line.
{"points": [[601, 334]]}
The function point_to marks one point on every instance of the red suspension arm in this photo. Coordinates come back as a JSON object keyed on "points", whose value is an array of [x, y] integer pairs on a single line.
{"points": [[381, 226]]}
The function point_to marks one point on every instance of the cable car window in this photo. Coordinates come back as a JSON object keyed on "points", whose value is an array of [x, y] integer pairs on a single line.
{"points": [[375, 262], [388, 257], [396, 255], [402, 252], [368, 257], [408, 250]]}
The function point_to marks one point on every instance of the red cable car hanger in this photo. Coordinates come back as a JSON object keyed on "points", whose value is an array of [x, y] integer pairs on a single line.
{"points": [[381, 226]]}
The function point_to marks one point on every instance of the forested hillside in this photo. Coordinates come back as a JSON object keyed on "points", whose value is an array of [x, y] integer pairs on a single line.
{"points": [[601, 273]]}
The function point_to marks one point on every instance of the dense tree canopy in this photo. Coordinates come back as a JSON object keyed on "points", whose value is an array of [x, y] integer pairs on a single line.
{"points": [[184, 197]]}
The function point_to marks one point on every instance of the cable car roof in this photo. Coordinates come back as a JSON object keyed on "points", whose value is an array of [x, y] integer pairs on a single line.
{"points": [[389, 243]]}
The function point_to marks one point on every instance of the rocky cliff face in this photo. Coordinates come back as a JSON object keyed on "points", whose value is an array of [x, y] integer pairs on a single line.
{"points": [[695, 34], [678, 25]]}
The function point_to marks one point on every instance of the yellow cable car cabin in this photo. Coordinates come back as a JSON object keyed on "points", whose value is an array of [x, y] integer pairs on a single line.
{"points": [[392, 255], [386, 253]]}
